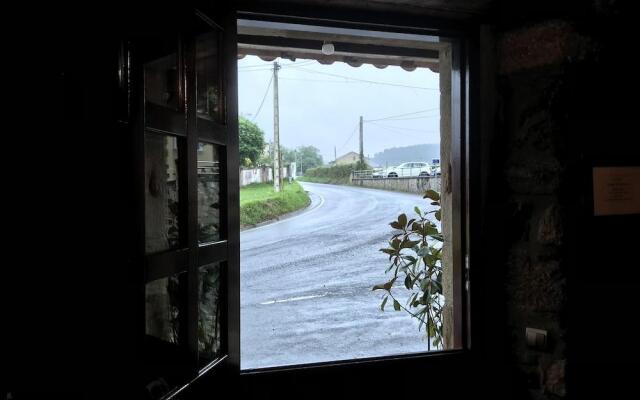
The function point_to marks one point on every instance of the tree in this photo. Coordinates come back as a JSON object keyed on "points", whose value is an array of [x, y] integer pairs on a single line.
{"points": [[251, 142], [308, 157], [288, 156]]}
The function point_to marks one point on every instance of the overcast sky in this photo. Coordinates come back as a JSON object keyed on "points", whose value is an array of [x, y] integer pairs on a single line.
{"points": [[320, 107]]}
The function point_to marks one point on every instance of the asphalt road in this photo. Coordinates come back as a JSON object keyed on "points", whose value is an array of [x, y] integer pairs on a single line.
{"points": [[306, 282]]}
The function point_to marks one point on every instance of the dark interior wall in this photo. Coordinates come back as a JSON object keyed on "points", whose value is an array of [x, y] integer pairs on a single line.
{"points": [[566, 102], [71, 322]]}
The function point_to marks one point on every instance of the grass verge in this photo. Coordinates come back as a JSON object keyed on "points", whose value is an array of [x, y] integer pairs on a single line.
{"points": [[260, 203], [324, 179]]}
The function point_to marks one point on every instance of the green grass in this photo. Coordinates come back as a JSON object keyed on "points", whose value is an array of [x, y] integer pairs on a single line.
{"points": [[325, 179], [259, 202]]}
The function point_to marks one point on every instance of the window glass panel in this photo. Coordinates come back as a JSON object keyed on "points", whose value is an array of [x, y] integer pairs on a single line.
{"points": [[161, 192], [313, 275], [163, 305], [161, 82], [209, 96], [208, 193], [210, 312]]}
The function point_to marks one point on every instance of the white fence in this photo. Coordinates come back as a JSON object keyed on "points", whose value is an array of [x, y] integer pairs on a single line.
{"points": [[264, 174]]}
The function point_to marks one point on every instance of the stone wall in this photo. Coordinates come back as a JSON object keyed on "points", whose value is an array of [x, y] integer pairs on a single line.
{"points": [[533, 173], [559, 111], [410, 185]]}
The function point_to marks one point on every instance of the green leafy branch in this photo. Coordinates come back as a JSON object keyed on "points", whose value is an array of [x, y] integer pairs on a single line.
{"points": [[415, 254]]}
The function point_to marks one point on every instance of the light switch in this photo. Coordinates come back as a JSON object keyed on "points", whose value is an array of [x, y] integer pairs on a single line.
{"points": [[536, 338]]}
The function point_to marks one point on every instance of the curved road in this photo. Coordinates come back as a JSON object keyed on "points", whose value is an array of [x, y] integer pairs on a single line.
{"points": [[306, 282]]}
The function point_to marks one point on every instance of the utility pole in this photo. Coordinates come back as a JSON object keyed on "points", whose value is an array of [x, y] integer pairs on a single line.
{"points": [[335, 158], [277, 184], [361, 144]]}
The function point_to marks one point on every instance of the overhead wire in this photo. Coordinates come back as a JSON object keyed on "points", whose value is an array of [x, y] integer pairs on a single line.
{"points": [[267, 66], [350, 136], [400, 128], [263, 99], [391, 117], [360, 80]]}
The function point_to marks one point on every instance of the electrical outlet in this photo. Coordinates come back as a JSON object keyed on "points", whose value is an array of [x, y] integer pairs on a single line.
{"points": [[536, 338]]}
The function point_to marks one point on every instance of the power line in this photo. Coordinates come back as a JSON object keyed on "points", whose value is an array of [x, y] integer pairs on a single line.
{"points": [[395, 131], [267, 67], [301, 63], [412, 118], [400, 128], [360, 80], [255, 70], [402, 115], [251, 66], [318, 80], [403, 131], [355, 128], [263, 98]]}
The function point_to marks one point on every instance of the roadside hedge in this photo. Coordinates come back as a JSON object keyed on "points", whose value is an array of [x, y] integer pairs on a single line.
{"points": [[336, 174]]}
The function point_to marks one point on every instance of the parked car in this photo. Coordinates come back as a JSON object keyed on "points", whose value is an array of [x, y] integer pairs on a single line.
{"points": [[409, 169]]}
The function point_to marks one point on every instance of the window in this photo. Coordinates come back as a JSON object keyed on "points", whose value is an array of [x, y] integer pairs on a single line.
{"points": [[183, 96], [186, 146], [287, 317]]}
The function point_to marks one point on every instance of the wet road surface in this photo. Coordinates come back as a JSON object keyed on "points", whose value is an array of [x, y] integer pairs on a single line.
{"points": [[306, 282]]}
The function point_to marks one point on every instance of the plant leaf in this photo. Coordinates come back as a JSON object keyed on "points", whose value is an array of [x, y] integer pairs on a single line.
{"points": [[385, 286], [407, 244], [396, 305], [402, 220], [431, 194], [383, 303]]}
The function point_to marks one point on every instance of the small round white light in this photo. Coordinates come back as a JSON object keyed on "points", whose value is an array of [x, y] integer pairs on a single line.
{"points": [[327, 49]]}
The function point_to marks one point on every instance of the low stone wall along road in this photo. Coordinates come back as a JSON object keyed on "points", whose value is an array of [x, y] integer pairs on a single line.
{"points": [[306, 282]]}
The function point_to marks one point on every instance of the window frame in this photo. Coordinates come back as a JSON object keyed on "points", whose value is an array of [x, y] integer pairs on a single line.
{"points": [[184, 362], [459, 36]]}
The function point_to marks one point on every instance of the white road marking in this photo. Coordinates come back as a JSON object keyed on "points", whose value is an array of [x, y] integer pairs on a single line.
{"points": [[294, 299]]}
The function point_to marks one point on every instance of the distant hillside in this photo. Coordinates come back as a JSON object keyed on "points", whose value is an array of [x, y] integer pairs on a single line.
{"points": [[399, 155]]}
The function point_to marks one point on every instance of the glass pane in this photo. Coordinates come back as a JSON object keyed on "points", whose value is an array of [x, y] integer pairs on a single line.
{"points": [[161, 82], [210, 312], [321, 286], [208, 193], [163, 307], [161, 192], [209, 96]]}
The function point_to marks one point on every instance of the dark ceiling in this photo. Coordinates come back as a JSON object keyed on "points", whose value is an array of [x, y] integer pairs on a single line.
{"points": [[458, 9]]}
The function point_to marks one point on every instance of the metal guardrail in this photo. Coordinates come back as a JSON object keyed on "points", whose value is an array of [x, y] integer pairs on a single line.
{"points": [[364, 174], [391, 173]]}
